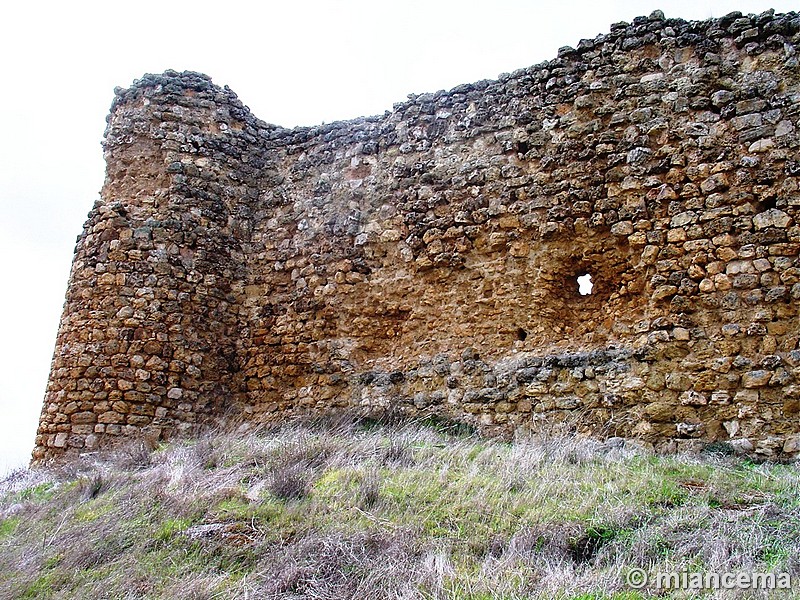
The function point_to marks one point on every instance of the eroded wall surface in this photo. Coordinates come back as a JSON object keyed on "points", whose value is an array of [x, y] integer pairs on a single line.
{"points": [[425, 261]]}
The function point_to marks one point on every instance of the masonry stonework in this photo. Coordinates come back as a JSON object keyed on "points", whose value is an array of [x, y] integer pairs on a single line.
{"points": [[425, 261]]}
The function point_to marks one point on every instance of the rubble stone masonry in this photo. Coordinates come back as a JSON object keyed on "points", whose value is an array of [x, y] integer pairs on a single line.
{"points": [[425, 261]]}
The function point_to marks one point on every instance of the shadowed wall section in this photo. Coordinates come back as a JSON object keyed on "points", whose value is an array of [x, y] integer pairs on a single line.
{"points": [[426, 261]]}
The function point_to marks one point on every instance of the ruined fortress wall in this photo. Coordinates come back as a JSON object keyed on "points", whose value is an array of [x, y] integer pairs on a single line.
{"points": [[425, 261]]}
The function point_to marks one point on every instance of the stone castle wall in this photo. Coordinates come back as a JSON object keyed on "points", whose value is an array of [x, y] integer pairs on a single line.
{"points": [[425, 261]]}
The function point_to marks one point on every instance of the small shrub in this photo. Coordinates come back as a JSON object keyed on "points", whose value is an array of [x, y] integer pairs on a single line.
{"points": [[584, 548], [207, 454], [91, 486], [719, 449], [312, 454], [449, 426], [396, 453], [289, 483], [369, 491], [136, 456]]}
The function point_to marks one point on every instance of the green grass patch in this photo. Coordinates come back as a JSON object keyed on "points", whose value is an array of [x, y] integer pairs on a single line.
{"points": [[169, 528], [38, 493], [8, 526], [93, 510], [42, 587]]}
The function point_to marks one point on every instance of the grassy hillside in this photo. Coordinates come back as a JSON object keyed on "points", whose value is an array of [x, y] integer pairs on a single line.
{"points": [[411, 512]]}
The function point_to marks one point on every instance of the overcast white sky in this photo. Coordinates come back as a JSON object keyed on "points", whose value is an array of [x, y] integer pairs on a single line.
{"points": [[293, 63]]}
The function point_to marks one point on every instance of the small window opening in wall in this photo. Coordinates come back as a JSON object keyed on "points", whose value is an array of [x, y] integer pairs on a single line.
{"points": [[585, 284], [521, 334]]}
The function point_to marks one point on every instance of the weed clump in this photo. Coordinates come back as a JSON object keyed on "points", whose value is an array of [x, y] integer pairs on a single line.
{"points": [[289, 483]]}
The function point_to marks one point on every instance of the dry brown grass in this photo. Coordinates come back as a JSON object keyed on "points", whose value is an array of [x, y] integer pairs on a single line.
{"points": [[316, 512]]}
